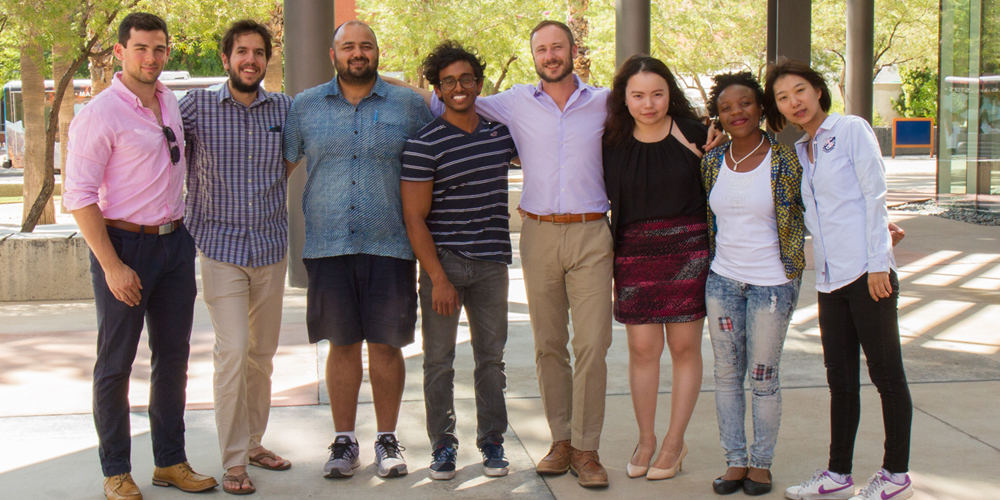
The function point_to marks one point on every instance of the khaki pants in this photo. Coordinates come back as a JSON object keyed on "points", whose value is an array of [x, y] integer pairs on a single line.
{"points": [[245, 304], [567, 273]]}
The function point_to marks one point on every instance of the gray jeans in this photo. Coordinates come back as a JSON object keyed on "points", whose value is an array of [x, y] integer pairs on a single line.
{"points": [[482, 291]]}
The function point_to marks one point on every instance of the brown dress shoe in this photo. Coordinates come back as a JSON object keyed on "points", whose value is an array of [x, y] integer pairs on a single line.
{"points": [[121, 487], [183, 477], [586, 466], [557, 461]]}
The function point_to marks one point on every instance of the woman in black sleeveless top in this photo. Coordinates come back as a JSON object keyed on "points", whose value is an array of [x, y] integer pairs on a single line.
{"points": [[658, 218]]}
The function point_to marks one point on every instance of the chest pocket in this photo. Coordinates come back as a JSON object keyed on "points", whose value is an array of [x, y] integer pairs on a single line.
{"points": [[386, 140]]}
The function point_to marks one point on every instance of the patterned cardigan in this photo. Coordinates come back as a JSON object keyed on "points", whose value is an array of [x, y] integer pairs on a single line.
{"points": [[786, 186]]}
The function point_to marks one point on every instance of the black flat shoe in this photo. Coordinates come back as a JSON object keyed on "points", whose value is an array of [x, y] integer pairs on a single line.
{"points": [[726, 486], [753, 488]]}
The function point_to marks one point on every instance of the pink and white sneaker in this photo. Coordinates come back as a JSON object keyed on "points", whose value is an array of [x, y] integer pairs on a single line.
{"points": [[822, 487], [880, 487]]}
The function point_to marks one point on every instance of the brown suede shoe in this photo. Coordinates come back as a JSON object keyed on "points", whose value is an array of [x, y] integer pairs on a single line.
{"points": [[183, 477], [557, 461], [586, 466], [121, 487]]}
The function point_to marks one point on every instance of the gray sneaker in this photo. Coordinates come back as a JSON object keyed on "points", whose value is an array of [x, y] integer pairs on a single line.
{"points": [[343, 458], [389, 457]]}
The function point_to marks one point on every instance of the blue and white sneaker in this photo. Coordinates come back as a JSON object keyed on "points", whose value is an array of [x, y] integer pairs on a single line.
{"points": [[443, 462], [389, 457], [343, 458], [495, 464], [881, 487], [821, 487]]}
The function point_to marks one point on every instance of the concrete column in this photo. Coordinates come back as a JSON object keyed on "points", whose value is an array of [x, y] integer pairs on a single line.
{"points": [[789, 29], [308, 36], [860, 58], [631, 29]]}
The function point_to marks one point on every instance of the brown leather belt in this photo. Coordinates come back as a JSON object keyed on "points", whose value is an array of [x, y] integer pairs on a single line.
{"points": [[565, 218], [136, 228]]}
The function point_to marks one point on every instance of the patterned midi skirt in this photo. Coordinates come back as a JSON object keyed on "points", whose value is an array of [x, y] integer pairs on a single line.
{"points": [[660, 270]]}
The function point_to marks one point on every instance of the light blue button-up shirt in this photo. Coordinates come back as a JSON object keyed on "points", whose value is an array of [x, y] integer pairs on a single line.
{"points": [[843, 191], [560, 151], [354, 154]]}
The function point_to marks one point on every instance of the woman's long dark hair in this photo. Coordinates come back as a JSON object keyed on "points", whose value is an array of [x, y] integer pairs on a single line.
{"points": [[619, 125]]}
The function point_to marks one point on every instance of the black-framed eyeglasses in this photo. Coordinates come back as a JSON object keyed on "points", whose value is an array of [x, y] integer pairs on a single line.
{"points": [[175, 150], [467, 81]]}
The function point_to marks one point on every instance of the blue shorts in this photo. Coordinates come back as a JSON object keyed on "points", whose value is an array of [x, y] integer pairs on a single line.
{"points": [[361, 297]]}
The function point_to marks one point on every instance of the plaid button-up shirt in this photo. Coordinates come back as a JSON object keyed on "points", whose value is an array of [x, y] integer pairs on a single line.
{"points": [[236, 180]]}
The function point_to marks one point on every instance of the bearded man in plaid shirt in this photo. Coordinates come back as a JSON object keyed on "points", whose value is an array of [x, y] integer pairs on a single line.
{"points": [[236, 211]]}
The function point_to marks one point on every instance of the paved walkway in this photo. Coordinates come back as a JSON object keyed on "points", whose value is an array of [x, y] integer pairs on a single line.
{"points": [[950, 305]]}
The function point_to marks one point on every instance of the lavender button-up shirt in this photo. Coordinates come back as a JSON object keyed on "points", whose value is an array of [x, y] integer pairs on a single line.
{"points": [[560, 151], [119, 158]]}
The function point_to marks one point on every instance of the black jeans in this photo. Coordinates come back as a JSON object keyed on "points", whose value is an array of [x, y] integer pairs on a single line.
{"points": [[165, 265], [848, 319]]}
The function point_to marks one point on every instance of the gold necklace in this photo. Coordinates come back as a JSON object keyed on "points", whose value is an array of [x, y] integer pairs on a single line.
{"points": [[736, 164]]}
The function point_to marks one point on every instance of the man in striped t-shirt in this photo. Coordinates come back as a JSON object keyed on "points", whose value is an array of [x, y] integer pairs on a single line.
{"points": [[454, 194]]}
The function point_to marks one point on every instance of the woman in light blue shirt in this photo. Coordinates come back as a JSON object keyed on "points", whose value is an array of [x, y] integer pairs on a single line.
{"points": [[843, 190]]}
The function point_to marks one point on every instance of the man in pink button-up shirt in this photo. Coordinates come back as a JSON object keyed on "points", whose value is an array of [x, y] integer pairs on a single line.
{"points": [[124, 184]]}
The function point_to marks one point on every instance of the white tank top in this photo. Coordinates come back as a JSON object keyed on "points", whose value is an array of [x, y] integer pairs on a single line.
{"points": [[746, 243]]}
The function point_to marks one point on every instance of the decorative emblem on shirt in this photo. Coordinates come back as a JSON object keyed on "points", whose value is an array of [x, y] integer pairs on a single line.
{"points": [[830, 144], [494, 134]]}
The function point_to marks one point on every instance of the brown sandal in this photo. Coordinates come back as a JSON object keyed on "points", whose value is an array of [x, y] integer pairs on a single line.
{"points": [[239, 478], [256, 461]]}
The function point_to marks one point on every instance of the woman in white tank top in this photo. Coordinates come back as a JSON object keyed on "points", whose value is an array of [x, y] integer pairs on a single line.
{"points": [[756, 239]]}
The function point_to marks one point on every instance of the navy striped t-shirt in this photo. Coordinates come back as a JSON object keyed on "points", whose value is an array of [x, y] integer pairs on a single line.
{"points": [[469, 207]]}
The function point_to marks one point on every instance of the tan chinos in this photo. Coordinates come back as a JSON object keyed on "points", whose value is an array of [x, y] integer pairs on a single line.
{"points": [[567, 274], [245, 305]]}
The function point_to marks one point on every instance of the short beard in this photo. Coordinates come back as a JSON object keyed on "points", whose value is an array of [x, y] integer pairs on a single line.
{"points": [[137, 76], [541, 74], [366, 76], [239, 86]]}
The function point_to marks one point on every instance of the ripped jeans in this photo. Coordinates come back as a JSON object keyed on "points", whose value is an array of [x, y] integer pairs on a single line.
{"points": [[748, 324]]}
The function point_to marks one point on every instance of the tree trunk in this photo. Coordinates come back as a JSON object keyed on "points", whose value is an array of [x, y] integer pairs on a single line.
{"points": [[275, 67], [275, 71], [60, 65], [581, 31], [33, 93], [102, 69]]}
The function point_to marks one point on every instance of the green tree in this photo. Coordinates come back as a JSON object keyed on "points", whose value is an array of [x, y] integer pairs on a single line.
{"points": [[497, 31], [906, 33], [703, 38], [919, 96], [75, 26]]}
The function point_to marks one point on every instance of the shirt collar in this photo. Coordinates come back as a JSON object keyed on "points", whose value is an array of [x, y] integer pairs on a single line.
{"points": [[583, 87], [380, 89], [126, 95], [827, 124], [224, 93]]}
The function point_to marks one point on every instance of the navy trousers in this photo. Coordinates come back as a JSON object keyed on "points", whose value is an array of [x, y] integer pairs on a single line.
{"points": [[165, 265]]}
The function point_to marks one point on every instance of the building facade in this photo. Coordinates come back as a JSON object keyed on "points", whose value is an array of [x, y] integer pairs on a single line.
{"points": [[968, 171]]}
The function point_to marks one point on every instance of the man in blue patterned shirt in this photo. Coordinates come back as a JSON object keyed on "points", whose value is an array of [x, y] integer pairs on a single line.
{"points": [[236, 211], [361, 269]]}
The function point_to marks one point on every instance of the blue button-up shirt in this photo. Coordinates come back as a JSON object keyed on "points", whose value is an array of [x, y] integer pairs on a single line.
{"points": [[560, 150], [236, 180], [843, 191], [351, 200]]}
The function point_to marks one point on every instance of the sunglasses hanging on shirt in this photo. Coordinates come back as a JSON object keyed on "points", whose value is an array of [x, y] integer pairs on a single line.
{"points": [[175, 151]]}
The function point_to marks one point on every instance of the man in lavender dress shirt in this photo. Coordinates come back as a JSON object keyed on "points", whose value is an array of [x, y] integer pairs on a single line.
{"points": [[124, 185]]}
